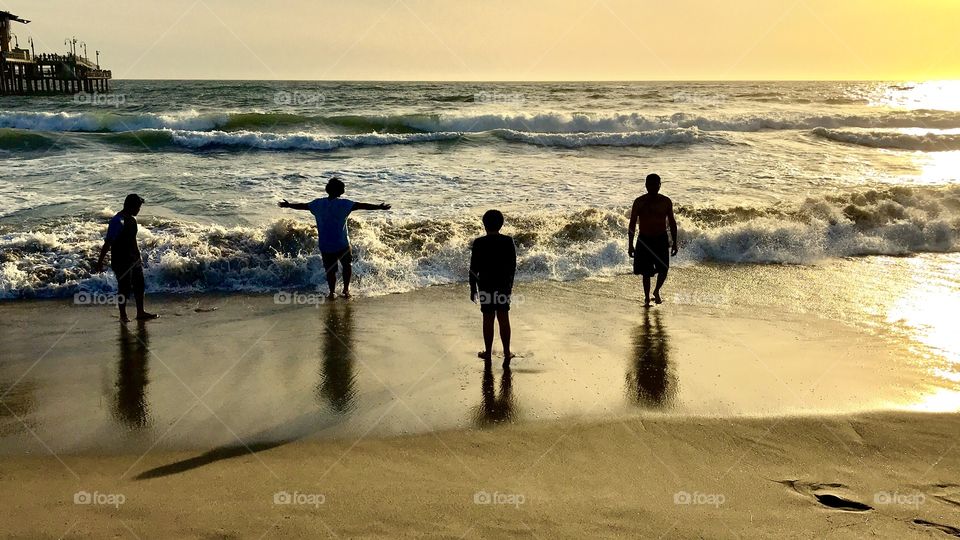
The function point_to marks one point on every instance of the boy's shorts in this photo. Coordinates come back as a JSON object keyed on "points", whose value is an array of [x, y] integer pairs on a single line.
{"points": [[493, 301], [330, 260]]}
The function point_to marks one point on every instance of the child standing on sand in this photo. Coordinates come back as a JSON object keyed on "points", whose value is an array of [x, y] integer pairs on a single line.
{"points": [[493, 263]]}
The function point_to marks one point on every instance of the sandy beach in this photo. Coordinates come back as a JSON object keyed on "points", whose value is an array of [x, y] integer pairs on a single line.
{"points": [[374, 418]]}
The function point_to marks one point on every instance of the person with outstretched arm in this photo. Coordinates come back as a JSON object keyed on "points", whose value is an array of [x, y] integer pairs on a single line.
{"points": [[493, 265], [651, 216], [332, 239], [125, 259]]}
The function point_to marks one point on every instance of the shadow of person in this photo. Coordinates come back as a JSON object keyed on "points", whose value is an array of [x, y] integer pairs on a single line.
{"points": [[495, 409], [337, 383], [130, 404], [650, 380]]}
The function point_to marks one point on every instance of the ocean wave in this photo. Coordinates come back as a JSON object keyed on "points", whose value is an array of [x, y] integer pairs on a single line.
{"points": [[396, 255], [546, 122], [659, 137], [924, 142], [298, 141]]}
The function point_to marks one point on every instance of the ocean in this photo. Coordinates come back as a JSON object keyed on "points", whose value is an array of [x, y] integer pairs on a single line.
{"points": [[783, 174]]}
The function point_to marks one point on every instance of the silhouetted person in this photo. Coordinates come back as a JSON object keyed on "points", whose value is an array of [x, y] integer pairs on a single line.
{"points": [[651, 215], [125, 260], [131, 404], [336, 384], [493, 263], [650, 382], [331, 214], [495, 409]]}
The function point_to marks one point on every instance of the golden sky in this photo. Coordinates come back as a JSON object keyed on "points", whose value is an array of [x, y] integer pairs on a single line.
{"points": [[506, 39]]}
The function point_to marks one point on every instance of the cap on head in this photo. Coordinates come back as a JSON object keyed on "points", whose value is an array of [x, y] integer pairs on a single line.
{"points": [[492, 220], [653, 183], [335, 187], [133, 202]]}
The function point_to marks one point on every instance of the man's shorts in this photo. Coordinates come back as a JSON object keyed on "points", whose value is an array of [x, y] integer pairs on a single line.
{"points": [[652, 255], [129, 277], [330, 260], [493, 301]]}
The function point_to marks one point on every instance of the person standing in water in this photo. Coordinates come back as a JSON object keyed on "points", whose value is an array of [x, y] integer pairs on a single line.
{"points": [[125, 260], [650, 217], [332, 239], [493, 263]]}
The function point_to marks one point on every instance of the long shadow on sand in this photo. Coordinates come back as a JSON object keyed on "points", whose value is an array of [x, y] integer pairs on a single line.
{"points": [[335, 389]]}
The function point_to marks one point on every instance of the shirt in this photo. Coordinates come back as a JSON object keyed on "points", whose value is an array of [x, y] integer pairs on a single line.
{"points": [[493, 263], [122, 235], [331, 215]]}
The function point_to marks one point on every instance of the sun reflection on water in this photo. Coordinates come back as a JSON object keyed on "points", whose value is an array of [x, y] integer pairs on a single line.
{"points": [[934, 95]]}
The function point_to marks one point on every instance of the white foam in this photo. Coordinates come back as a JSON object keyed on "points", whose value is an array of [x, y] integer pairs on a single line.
{"points": [[299, 140], [925, 142]]}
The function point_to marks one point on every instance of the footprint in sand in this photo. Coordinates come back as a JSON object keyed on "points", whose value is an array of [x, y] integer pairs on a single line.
{"points": [[831, 495], [953, 531]]}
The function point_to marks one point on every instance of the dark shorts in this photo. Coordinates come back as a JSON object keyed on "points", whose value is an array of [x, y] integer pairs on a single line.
{"points": [[652, 255], [330, 260], [493, 301], [129, 277]]}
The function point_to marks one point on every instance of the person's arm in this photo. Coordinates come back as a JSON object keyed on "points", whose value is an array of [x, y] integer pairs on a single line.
{"points": [[672, 221], [293, 206], [474, 267], [634, 214], [367, 206], [512, 260], [103, 255], [113, 230]]}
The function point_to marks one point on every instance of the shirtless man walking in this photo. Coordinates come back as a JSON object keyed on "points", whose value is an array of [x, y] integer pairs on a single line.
{"points": [[650, 217]]}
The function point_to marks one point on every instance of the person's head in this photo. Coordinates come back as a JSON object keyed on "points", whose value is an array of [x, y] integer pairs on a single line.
{"points": [[132, 204], [335, 187], [492, 221], [653, 183]]}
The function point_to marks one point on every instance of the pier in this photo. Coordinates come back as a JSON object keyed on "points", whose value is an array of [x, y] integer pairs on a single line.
{"points": [[22, 72]]}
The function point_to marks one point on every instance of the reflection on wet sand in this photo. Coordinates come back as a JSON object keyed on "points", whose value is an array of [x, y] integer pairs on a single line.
{"points": [[337, 380], [495, 409], [650, 380], [130, 404]]}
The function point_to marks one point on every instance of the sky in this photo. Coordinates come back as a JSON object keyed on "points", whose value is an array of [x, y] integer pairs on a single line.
{"points": [[506, 39]]}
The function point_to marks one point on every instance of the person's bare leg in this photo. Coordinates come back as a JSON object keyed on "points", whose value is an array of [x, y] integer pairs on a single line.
{"points": [[503, 317], [487, 335], [138, 291], [332, 281], [646, 291], [122, 304], [347, 274], [661, 277]]}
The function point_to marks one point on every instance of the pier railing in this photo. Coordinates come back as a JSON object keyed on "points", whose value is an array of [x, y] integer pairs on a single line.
{"points": [[17, 55]]}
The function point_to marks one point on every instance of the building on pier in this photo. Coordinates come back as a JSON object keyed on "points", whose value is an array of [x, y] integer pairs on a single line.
{"points": [[22, 72]]}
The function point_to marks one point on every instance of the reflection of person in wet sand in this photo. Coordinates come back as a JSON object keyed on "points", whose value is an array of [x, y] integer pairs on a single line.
{"points": [[495, 409], [130, 407], [336, 385], [650, 381], [651, 215]]}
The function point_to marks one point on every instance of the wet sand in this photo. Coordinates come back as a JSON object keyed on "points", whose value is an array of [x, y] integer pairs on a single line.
{"points": [[375, 418]]}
